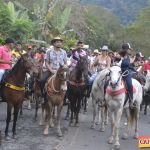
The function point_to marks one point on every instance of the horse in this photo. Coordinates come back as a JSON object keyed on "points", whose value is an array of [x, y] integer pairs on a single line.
{"points": [[13, 90], [146, 98], [78, 78], [98, 100], [56, 88], [116, 101]]}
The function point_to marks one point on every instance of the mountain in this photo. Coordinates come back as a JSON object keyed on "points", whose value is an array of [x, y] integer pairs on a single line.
{"points": [[126, 10]]}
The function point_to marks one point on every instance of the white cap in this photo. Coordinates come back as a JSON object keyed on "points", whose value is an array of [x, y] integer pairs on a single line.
{"points": [[105, 47]]}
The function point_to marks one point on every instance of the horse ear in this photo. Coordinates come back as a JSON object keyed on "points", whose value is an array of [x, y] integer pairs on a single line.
{"points": [[61, 66]]}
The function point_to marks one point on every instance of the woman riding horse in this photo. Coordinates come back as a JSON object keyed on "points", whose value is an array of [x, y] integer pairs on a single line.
{"points": [[126, 66]]}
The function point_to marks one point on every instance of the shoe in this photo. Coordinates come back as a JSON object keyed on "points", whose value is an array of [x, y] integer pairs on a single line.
{"points": [[132, 104]]}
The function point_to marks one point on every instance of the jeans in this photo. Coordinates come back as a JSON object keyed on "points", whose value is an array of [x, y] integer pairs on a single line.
{"points": [[2, 71], [92, 78], [128, 81]]}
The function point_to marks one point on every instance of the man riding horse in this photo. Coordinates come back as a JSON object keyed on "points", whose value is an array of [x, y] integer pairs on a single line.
{"points": [[53, 58]]}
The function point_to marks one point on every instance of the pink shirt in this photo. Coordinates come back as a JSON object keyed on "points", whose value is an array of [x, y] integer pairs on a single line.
{"points": [[77, 55], [6, 56]]}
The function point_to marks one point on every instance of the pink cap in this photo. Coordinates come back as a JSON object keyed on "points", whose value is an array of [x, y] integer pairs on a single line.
{"points": [[29, 46]]}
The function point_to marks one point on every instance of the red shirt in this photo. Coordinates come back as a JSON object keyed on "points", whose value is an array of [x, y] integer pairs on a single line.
{"points": [[147, 66], [6, 56]]}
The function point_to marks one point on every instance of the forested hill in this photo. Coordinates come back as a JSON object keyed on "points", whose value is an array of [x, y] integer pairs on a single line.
{"points": [[126, 10]]}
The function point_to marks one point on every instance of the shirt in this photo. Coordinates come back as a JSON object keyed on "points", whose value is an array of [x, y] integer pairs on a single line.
{"points": [[76, 56], [6, 56], [56, 58], [146, 66]]}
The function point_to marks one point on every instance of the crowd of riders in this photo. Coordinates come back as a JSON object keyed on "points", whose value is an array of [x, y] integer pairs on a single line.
{"points": [[98, 59]]}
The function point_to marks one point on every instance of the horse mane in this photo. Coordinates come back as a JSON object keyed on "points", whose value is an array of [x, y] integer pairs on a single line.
{"points": [[101, 75], [15, 67]]}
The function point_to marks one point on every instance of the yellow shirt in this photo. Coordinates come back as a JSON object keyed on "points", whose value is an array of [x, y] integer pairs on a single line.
{"points": [[17, 54]]}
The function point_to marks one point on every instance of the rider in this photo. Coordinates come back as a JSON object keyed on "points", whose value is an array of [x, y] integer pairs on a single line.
{"points": [[5, 56], [53, 58], [102, 61], [126, 66], [77, 53]]}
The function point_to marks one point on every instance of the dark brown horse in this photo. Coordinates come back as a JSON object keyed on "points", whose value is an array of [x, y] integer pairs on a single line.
{"points": [[13, 89], [76, 88], [56, 88]]}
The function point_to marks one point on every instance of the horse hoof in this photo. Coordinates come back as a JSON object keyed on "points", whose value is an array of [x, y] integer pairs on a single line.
{"points": [[92, 126], [29, 108], [97, 123], [14, 136], [7, 138], [76, 125], [45, 132], [40, 123], [125, 137], [110, 140], [52, 125], [59, 134], [102, 129], [117, 146], [135, 136]]}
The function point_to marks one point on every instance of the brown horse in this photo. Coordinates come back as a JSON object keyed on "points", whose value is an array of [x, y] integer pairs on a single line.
{"points": [[13, 89], [56, 89]]}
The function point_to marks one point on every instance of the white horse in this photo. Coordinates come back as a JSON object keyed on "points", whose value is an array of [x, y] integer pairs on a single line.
{"points": [[115, 98], [97, 95], [147, 83]]}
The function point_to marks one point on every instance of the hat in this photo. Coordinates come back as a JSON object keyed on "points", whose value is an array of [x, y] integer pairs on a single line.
{"points": [[29, 46], [85, 46], [56, 39], [126, 46], [105, 48], [111, 52], [96, 51], [9, 40]]}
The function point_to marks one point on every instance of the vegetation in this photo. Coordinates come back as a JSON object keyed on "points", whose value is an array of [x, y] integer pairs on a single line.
{"points": [[41, 20]]}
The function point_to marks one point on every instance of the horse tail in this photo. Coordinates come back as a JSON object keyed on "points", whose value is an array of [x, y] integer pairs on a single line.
{"points": [[133, 115]]}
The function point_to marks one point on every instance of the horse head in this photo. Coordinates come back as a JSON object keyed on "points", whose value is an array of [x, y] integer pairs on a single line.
{"points": [[147, 83], [28, 64], [115, 76], [62, 76], [82, 66]]}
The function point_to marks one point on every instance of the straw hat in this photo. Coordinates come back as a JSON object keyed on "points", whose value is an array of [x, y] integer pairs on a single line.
{"points": [[56, 39], [96, 51]]}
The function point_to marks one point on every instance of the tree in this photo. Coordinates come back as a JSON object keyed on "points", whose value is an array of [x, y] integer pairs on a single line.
{"points": [[14, 23]]}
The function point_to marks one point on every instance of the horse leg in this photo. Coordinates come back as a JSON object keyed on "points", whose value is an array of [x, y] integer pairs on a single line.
{"points": [[106, 115], [111, 137], [85, 104], [145, 109], [59, 108], [36, 107], [98, 115], [126, 133], [78, 105], [21, 109], [29, 102], [94, 113], [9, 107], [117, 116], [42, 114], [49, 111], [102, 129], [136, 123], [16, 110], [68, 111]]}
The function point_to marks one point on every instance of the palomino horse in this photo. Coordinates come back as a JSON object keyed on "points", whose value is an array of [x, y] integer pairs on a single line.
{"points": [[98, 103], [116, 99], [56, 88], [76, 87], [146, 97], [13, 89]]}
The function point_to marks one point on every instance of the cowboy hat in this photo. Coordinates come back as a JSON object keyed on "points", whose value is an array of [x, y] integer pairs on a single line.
{"points": [[105, 48], [56, 39], [96, 51]]}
